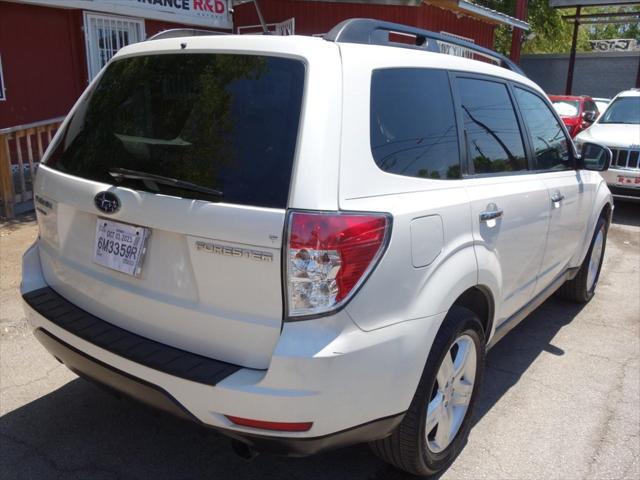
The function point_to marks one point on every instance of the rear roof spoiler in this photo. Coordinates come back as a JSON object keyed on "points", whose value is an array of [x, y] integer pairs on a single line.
{"points": [[183, 32]]}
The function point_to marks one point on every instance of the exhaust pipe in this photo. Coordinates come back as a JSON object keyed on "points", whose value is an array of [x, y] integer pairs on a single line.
{"points": [[243, 450]]}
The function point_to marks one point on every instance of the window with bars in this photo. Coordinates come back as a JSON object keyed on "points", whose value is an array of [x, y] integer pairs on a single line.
{"points": [[105, 35]]}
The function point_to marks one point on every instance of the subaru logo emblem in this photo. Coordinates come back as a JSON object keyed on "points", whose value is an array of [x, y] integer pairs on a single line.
{"points": [[107, 202]]}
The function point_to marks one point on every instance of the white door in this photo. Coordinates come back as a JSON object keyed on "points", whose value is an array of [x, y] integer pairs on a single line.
{"points": [[569, 191], [105, 35], [515, 240], [509, 206]]}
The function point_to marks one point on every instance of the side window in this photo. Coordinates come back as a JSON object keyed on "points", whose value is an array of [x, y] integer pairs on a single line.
{"points": [[590, 106], [494, 141], [550, 145], [412, 123]]}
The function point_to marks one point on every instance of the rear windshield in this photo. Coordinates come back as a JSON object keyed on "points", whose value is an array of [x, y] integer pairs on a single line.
{"points": [[221, 121]]}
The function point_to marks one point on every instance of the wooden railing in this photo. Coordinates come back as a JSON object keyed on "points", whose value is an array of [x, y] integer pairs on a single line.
{"points": [[21, 149]]}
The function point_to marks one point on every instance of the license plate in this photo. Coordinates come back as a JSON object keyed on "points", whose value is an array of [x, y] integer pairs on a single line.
{"points": [[120, 246], [624, 180]]}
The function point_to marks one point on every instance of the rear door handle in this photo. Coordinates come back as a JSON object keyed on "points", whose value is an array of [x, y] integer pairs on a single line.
{"points": [[490, 214], [557, 197]]}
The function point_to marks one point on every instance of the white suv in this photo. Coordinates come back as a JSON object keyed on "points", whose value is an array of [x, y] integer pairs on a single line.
{"points": [[619, 128], [307, 243]]}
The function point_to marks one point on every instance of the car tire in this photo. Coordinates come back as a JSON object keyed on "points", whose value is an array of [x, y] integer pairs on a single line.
{"points": [[582, 287], [411, 447]]}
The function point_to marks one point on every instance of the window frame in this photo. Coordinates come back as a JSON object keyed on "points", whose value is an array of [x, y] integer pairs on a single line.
{"points": [[461, 151], [529, 143], [468, 170]]}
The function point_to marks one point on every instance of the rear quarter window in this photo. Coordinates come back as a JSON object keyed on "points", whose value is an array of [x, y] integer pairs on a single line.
{"points": [[412, 123]]}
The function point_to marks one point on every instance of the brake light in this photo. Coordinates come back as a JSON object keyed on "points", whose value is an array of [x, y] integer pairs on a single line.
{"points": [[329, 255]]}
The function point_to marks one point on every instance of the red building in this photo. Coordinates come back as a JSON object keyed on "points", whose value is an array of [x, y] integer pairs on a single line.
{"points": [[51, 49]]}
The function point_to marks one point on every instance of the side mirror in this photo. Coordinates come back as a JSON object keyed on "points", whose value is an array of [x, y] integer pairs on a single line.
{"points": [[589, 117], [595, 157]]}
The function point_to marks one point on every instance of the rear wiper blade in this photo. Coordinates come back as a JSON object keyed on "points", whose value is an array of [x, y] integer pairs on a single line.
{"points": [[149, 179]]}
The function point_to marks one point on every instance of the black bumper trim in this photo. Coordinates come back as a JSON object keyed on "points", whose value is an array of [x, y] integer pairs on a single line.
{"points": [[103, 374], [123, 343], [628, 192], [106, 375]]}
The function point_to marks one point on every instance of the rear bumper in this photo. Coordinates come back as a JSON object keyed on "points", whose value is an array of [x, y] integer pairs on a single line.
{"points": [[353, 385], [164, 358], [96, 371], [99, 372]]}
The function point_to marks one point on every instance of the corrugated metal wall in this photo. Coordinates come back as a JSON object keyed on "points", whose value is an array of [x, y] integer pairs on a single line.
{"points": [[44, 73], [43, 60], [437, 19], [320, 17]]}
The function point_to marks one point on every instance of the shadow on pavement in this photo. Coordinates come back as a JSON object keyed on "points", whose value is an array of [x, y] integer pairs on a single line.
{"points": [[81, 431], [626, 213], [510, 358]]}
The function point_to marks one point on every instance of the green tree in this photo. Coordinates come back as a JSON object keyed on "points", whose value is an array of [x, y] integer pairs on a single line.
{"points": [[612, 30], [552, 34]]}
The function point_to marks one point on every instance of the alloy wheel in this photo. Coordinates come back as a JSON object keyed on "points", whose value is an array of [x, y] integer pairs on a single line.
{"points": [[451, 394]]}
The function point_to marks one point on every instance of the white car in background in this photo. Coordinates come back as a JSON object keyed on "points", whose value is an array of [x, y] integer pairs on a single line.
{"points": [[619, 129]]}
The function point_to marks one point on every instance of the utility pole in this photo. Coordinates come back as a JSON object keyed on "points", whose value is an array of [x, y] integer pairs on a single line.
{"points": [[516, 33], [572, 56]]}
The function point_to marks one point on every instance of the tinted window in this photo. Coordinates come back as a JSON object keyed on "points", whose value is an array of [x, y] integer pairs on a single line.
{"points": [[413, 127], [493, 137], [550, 145], [590, 106], [623, 110], [227, 122]]}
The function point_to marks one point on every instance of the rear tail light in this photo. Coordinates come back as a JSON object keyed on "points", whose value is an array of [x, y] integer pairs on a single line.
{"points": [[328, 257]]}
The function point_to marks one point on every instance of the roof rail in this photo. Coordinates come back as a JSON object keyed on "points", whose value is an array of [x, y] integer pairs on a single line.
{"points": [[376, 32], [183, 32]]}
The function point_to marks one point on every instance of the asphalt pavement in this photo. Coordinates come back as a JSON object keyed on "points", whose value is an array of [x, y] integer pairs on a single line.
{"points": [[561, 399]]}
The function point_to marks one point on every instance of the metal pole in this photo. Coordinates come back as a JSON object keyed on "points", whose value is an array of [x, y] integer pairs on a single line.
{"points": [[572, 57], [516, 34], [265, 30]]}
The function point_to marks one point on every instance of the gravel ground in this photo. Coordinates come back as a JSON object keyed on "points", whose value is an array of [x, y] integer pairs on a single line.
{"points": [[561, 399]]}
